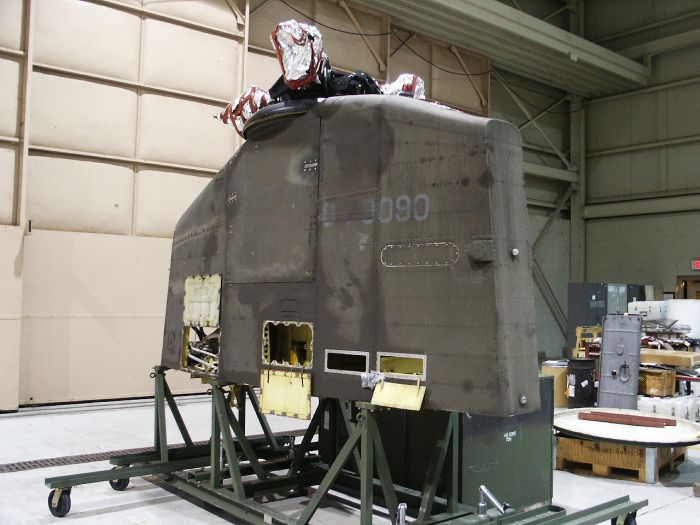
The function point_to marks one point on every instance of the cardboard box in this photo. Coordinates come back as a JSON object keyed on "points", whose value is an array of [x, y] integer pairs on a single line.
{"points": [[657, 383], [559, 374]]}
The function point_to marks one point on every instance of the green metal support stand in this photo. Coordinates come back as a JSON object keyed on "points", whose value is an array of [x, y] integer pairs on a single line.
{"points": [[219, 472]]}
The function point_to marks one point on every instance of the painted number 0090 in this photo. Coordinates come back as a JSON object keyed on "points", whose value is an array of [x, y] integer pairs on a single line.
{"points": [[401, 209]]}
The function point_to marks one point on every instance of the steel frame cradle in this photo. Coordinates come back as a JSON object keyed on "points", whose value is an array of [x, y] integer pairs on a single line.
{"points": [[201, 470]]}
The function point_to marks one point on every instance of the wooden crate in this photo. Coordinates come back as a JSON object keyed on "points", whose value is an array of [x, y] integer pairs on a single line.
{"points": [[613, 460], [561, 398], [671, 357], [584, 336], [657, 383]]}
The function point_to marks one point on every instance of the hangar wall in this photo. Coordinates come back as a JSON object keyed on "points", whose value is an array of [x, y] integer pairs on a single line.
{"points": [[105, 141], [643, 201], [117, 140]]}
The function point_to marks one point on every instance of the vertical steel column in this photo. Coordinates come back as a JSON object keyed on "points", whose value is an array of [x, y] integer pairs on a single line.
{"points": [[578, 196], [241, 402], [229, 446], [453, 498], [215, 444], [577, 137], [161, 433], [346, 414], [366, 467], [20, 204]]}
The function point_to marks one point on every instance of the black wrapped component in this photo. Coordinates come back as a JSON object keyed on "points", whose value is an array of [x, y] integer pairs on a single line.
{"points": [[330, 83], [358, 83]]}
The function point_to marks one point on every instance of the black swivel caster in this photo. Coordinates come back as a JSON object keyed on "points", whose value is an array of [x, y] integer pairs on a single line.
{"points": [[62, 505], [119, 484], [630, 519]]}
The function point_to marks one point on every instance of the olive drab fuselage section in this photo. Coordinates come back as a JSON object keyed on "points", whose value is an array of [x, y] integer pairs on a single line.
{"points": [[370, 234]]}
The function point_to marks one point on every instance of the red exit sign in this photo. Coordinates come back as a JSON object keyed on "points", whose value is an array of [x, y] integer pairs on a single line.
{"points": [[695, 265]]}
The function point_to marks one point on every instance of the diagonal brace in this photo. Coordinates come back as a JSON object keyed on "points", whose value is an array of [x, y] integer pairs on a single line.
{"points": [[561, 202], [383, 471], [353, 19], [468, 74], [542, 113], [177, 415], [432, 479], [549, 297], [332, 475], [345, 412], [300, 451], [527, 113], [234, 466], [237, 428], [272, 440]]}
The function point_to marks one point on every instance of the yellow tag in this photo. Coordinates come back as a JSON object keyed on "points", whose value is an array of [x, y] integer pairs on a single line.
{"points": [[398, 395], [285, 393]]}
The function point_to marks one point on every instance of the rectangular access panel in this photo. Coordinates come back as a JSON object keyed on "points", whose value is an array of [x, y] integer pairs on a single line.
{"points": [[619, 361]]}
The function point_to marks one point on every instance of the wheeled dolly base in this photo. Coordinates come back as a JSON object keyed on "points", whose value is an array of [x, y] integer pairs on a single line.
{"points": [[232, 471]]}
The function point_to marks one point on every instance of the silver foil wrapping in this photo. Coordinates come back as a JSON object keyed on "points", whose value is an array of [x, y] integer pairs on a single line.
{"points": [[299, 49], [245, 106], [407, 85]]}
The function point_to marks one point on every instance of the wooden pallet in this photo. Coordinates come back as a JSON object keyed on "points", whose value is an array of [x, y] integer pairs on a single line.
{"points": [[613, 460]]}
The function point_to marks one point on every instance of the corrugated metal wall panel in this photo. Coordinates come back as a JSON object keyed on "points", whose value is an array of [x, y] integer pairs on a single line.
{"points": [[94, 275], [183, 132], [104, 315], [10, 314], [10, 69], [161, 198], [72, 34], [263, 70], [214, 13], [82, 115], [8, 160], [11, 24], [191, 61], [653, 249], [79, 195]]}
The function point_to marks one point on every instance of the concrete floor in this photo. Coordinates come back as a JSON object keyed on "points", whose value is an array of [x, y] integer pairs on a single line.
{"points": [[79, 429]]}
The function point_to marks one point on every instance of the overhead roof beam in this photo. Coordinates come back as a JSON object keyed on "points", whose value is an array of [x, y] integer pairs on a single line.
{"points": [[519, 42], [526, 59], [663, 45]]}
